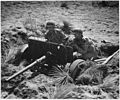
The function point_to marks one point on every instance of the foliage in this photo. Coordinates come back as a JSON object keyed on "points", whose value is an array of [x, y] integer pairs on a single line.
{"points": [[61, 77]]}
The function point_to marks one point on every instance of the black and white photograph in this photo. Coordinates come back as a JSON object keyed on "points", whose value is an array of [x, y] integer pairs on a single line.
{"points": [[60, 49]]}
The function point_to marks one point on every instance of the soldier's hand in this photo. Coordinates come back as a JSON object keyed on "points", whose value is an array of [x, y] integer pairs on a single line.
{"points": [[76, 54], [61, 44]]}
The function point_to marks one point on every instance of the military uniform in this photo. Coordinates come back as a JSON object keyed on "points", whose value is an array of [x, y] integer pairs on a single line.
{"points": [[85, 47], [55, 36]]}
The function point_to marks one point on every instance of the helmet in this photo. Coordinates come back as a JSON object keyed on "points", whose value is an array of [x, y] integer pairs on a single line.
{"points": [[50, 23], [77, 30]]}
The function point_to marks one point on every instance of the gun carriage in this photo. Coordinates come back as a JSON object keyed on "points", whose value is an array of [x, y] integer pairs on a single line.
{"points": [[41, 52]]}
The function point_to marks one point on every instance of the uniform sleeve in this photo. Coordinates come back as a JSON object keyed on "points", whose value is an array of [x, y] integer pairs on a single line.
{"points": [[62, 35], [81, 50], [46, 35]]}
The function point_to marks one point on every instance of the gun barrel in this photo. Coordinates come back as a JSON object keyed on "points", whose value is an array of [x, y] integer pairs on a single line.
{"points": [[26, 68]]}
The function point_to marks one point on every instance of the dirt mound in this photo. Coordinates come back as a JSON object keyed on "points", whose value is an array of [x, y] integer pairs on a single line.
{"points": [[108, 48]]}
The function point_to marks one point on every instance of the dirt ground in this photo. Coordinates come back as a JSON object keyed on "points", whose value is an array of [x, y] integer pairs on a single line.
{"points": [[97, 23]]}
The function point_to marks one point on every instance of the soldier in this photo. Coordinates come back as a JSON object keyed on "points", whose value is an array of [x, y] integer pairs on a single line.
{"points": [[54, 35], [83, 47]]}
